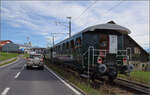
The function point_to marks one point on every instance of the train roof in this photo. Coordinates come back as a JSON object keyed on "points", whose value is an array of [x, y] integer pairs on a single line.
{"points": [[108, 26], [111, 25]]}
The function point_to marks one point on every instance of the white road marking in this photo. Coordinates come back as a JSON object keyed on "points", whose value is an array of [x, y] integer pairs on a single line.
{"points": [[5, 91], [68, 85], [23, 67], [17, 75]]}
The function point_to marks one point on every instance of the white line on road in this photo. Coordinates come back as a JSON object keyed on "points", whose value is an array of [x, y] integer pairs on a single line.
{"points": [[17, 75], [23, 67], [72, 88], [5, 91]]}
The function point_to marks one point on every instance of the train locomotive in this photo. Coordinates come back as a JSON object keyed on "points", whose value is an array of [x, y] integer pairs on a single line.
{"points": [[95, 52]]}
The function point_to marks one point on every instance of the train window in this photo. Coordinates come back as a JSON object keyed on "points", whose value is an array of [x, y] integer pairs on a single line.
{"points": [[120, 42], [67, 45], [59, 47], [78, 42], [72, 43], [63, 46], [103, 42]]}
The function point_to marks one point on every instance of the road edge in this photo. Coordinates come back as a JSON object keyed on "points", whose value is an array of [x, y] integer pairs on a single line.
{"points": [[65, 80], [5, 65]]}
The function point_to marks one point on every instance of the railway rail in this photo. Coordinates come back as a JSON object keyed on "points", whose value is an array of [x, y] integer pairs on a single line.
{"points": [[138, 87]]}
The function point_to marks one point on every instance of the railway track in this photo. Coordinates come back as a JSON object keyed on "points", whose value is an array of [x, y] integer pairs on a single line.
{"points": [[138, 87]]}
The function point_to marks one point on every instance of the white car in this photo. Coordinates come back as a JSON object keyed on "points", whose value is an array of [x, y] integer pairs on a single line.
{"points": [[35, 61]]}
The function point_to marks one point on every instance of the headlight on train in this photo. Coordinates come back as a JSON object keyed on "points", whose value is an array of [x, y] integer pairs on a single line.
{"points": [[99, 60], [102, 68], [124, 60]]}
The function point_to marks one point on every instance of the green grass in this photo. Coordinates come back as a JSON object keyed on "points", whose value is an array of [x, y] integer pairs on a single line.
{"points": [[26, 55], [139, 76], [8, 62], [5, 56]]}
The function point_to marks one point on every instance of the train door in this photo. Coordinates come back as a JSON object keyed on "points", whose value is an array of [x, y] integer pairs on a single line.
{"points": [[113, 44]]}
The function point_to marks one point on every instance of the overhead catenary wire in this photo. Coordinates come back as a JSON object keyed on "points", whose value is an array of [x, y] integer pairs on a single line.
{"points": [[85, 10], [109, 10]]}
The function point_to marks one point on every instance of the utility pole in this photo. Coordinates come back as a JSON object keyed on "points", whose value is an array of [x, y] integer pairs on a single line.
{"points": [[0, 35], [69, 26]]}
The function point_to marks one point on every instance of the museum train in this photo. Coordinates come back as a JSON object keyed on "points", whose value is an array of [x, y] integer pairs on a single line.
{"points": [[96, 52]]}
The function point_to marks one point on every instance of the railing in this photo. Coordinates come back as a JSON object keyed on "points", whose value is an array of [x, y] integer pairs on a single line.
{"points": [[99, 52], [122, 53]]}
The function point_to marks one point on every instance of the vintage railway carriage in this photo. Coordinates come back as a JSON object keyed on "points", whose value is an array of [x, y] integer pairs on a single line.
{"points": [[96, 51]]}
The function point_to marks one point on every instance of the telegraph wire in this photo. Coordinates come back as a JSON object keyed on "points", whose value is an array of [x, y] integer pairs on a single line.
{"points": [[109, 10], [85, 10]]}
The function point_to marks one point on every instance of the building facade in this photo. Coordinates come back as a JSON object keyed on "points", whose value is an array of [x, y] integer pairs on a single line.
{"points": [[10, 47]]}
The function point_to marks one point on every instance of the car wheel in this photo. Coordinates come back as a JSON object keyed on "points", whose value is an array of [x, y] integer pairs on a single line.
{"points": [[27, 67]]}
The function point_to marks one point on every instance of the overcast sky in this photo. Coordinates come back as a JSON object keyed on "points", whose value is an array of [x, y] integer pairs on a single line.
{"points": [[37, 19]]}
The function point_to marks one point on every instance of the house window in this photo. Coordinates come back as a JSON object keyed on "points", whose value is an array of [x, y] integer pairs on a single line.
{"points": [[136, 50]]}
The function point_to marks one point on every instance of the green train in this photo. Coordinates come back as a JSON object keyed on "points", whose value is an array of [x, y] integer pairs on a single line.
{"points": [[95, 52]]}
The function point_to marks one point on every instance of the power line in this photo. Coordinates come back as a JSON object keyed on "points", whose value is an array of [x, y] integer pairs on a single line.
{"points": [[85, 10], [110, 9]]}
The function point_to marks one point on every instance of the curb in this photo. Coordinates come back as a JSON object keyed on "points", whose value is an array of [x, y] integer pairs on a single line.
{"points": [[67, 81]]}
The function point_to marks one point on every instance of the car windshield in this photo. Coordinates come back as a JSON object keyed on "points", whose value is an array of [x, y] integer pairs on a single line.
{"points": [[33, 56]]}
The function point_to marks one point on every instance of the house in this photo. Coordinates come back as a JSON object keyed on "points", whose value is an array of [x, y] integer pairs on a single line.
{"points": [[24, 48], [136, 52], [10, 47], [4, 42]]}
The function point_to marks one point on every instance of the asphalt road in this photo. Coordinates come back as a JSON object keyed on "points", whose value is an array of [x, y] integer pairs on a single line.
{"points": [[16, 80]]}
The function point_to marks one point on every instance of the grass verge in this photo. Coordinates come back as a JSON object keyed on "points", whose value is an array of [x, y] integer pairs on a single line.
{"points": [[5, 56], [84, 85], [74, 79], [26, 55], [139, 76], [8, 62]]}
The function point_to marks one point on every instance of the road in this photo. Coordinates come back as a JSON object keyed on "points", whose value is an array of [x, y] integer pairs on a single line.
{"points": [[15, 79]]}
